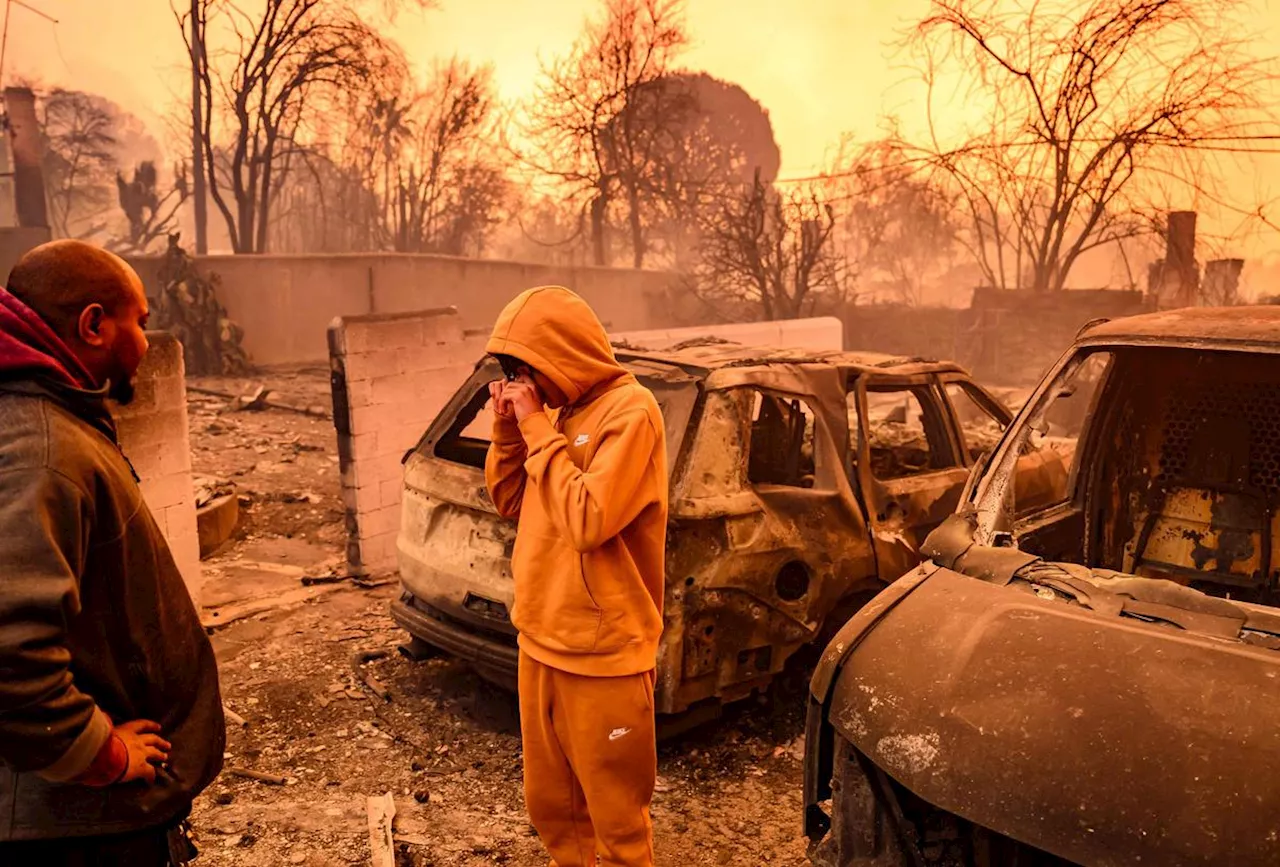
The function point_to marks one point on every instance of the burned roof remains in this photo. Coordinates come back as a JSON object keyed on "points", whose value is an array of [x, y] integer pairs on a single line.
{"points": [[1257, 327], [713, 356]]}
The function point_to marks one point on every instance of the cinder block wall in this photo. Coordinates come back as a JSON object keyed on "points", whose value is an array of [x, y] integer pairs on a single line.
{"points": [[154, 434], [392, 373], [284, 303]]}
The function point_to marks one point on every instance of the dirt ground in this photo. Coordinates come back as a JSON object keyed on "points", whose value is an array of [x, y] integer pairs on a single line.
{"points": [[446, 744]]}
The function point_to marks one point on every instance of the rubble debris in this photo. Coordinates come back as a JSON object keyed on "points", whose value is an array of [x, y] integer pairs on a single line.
{"points": [[330, 578], [702, 341], [366, 582], [228, 614], [358, 659], [382, 812], [216, 518], [188, 307], [258, 400], [257, 776], [209, 489], [304, 497]]}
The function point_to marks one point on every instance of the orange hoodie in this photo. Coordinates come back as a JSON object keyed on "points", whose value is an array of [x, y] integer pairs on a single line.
{"points": [[589, 484]]}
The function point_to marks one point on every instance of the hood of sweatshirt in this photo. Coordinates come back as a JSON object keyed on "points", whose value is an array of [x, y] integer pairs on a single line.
{"points": [[35, 361], [29, 348], [555, 332]]}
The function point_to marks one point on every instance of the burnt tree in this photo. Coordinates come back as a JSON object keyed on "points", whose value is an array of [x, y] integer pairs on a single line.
{"points": [[291, 63], [81, 132], [150, 213], [771, 251], [596, 122], [1088, 106]]}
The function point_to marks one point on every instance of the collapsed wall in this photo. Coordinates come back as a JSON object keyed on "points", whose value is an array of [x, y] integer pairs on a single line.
{"points": [[391, 374], [155, 437]]}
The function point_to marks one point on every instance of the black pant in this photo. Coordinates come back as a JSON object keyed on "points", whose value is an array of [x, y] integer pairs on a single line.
{"points": [[148, 848]]}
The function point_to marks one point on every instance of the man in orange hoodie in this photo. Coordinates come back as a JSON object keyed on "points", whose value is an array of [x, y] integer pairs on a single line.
{"points": [[588, 481]]}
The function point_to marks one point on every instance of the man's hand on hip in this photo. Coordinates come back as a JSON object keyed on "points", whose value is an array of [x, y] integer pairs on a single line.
{"points": [[146, 749]]}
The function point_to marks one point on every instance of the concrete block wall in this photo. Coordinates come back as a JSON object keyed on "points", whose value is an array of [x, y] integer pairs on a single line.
{"points": [[284, 303], [392, 374], [154, 435]]}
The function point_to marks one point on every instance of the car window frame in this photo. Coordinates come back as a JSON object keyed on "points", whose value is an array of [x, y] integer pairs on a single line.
{"points": [[943, 416], [996, 523], [986, 401], [821, 472]]}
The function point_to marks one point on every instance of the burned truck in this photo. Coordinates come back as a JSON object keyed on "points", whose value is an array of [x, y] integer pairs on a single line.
{"points": [[797, 481], [1088, 678]]}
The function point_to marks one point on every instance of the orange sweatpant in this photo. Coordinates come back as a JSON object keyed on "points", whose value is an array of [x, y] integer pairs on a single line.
{"points": [[590, 764]]}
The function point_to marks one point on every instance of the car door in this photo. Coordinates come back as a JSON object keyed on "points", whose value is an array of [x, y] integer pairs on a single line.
{"points": [[768, 462], [979, 421], [908, 464]]}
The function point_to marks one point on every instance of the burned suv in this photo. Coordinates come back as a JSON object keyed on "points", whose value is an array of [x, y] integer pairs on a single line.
{"points": [[1089, 678], [797, 480]]}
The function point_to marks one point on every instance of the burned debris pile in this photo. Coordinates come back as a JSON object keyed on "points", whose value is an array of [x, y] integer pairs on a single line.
{"points": [[188, 307]]}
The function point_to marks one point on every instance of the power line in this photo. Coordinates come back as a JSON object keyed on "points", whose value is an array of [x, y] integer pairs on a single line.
{"points": [[1194, 144], [8, 14]]}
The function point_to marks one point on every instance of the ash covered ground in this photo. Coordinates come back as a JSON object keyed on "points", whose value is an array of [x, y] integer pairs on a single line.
{"points": [[446, 745]]}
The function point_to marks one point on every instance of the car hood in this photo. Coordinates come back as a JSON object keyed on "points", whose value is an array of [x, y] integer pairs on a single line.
{"points": [[1104, 718]]}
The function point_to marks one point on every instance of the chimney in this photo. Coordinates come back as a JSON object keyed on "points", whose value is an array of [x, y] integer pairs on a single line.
{"points": [[28, 174], [1180, 258]]}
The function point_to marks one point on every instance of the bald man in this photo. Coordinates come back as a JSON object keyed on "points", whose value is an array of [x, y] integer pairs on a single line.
{"points": [[110, 715]]}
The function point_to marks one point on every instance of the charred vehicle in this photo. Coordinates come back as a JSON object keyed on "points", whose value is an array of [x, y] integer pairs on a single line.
{"points": [[796, 482], [1089, 678]]}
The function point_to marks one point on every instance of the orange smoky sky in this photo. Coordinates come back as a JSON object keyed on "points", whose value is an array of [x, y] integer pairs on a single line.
{"points": [[821, 68]]}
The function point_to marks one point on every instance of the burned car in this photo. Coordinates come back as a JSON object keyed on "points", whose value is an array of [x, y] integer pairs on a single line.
{"points": [[1089, 678], [797, 480]]}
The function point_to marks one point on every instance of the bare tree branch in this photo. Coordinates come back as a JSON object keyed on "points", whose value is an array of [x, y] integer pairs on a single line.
{"points": [[1087, 100], [291, 64]]}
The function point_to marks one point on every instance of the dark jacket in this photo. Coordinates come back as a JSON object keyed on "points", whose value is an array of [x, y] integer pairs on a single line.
{"points": [[95, 622]]}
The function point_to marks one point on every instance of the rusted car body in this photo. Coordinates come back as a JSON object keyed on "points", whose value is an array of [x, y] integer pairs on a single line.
{"points": [[797, 480], [1093, 679]]}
